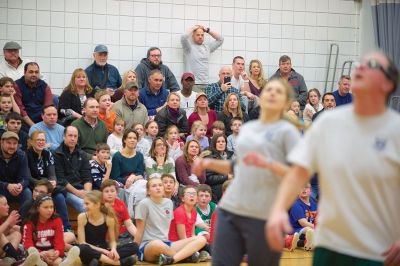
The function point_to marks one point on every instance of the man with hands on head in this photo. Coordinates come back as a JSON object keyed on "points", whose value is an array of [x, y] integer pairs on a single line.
{"points": [[197, 53]]}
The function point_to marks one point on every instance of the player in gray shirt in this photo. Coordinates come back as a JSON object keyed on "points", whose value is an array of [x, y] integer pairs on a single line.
{"points": [[153, 218], [241, 215]]}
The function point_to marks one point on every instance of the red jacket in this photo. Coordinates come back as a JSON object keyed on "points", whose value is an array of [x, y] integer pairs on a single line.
{"points": [[49, 235]]}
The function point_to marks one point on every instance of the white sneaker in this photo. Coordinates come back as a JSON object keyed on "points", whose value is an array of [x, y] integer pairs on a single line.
{"points": [[72, 256], [31, 260], [295, 240], [32, 251], [309, 240]]}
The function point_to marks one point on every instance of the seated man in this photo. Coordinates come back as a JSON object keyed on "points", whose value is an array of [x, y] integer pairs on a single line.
{"points": [[328, 102], [154, 97], [72, 169], [102, 75], [218, 91], [91, 129], [13, 64], [342, 94], [31, 94], [153, 62], [14, 170], [54, 132]]}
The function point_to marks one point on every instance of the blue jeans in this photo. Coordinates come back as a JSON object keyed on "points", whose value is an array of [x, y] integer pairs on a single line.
{"points": [[61, 207], [75, 201], [26, 194]]}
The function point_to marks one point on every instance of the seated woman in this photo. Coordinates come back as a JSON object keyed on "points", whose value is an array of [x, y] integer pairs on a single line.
{"points": [[183, 165], [127, 164], [159, 162], [203, 113], [257, 80], [215, 180], [153, 218], [41, 165], [313, 105], [71, 101], [172, 114], [231, 109], [129, 76], [97, 234]]}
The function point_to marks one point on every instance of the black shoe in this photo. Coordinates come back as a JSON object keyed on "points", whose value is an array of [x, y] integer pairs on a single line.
{"points": [[195, 258], [165, 260], [128, 261], [94, 262]]}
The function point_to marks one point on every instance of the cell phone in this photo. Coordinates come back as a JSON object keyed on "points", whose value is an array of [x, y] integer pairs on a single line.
{"points": [[227, 79]]}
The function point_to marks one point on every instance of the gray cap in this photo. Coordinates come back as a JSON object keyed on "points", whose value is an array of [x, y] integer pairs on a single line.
{"points": [[12, 46], [9, 134], [131, 86], [101, 48]]}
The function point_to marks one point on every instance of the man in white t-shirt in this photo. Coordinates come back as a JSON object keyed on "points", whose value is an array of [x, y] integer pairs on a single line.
{"points": [[13, 65], [359, 174], [188, 96]]}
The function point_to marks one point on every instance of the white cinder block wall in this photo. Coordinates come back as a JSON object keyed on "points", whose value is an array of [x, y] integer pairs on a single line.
{"points": [[61, 34]]}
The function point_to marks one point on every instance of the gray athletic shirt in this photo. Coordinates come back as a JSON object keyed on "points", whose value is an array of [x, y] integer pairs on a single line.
{"points": [[253, 189], [157, 218]]}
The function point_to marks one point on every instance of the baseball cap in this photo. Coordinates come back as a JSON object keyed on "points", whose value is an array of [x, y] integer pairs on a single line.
{"points": [[101, 48], [187, 75], [131, 86], [9, 134], [12, 46], [199, 94]]}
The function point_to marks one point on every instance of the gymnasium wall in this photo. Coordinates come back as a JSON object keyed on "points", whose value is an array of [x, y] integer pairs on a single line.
{"points": [[61, 34]]}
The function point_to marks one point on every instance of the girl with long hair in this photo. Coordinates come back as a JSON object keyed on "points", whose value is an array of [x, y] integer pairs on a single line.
{"points": [[231, 109], [43, 235], [97, 233], [183, 165], [243, 209]]}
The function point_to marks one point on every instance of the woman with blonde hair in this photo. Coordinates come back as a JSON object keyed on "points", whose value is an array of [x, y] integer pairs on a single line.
{"points": [[203, 113], [231, 109], [129, 76], [183, 165], [74, 95]]}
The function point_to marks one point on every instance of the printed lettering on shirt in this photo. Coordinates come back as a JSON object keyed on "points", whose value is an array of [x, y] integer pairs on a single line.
{"points": [[380, 144]]}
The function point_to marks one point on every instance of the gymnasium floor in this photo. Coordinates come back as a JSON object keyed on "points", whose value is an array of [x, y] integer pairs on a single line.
{"points": [[295, 258]]}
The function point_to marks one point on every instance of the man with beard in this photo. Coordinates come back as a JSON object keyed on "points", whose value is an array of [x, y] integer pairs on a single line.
{"points": [[31, 94], [152, 62], [328, 101], [102, 75]]}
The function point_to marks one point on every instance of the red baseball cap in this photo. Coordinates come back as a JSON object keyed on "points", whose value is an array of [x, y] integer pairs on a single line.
{"points": [[187, 75]]}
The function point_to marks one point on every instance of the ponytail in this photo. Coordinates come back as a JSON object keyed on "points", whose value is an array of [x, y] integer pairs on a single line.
{"points": [[295, 121]]}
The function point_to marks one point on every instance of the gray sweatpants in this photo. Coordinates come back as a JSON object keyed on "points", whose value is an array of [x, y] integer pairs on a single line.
{"points": [[238, 235]]}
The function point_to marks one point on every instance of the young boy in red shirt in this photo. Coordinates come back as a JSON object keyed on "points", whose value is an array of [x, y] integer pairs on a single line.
{"points": [[127, 229]]}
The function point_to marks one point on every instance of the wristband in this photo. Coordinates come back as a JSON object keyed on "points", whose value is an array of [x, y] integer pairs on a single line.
{"points": [[233, 163], [208, 30], [246, 81]]}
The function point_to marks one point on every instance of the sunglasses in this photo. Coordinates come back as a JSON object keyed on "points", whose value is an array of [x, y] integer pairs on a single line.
{"points": [[373, 64]]}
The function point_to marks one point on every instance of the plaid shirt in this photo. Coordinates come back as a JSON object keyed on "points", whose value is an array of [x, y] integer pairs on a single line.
{"points": [[216, 97]]}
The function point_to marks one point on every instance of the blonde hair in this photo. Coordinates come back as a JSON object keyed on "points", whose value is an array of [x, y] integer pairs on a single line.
{"points": [[100, 94], [195, 126], [261, 80], [125, 77], [95, 197], [72, 87], [196, 109], [226, 106], [34, 136], [173, 94], [169, 128]]}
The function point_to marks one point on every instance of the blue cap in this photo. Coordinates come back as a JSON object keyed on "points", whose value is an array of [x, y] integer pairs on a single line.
{"points": [[101, 48]]}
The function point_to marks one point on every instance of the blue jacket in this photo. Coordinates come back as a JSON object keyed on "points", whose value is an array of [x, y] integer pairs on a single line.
{"points": [[152, 101], [95, 74], [14, 171], [341, 100]]}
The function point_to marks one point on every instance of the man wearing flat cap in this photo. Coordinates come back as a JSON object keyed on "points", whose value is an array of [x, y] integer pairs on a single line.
{"points": [[129, 108], [14, 171], [13, 65], [187, 95], [102, 75]]}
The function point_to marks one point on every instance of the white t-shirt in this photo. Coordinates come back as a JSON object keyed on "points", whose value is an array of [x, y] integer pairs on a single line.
{"points": [[237, 83], [115, 143], [358, 162], [187, 103]]}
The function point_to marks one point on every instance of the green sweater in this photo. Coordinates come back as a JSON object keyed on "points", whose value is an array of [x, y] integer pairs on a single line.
{"points": [[89, 137], [204, 217]]}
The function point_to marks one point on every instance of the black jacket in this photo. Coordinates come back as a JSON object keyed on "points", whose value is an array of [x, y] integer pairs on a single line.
{"points": [[47, 169], [164, 119], [14, 171], [214, 179], [227, 121], [72, 168], [68, 100]]}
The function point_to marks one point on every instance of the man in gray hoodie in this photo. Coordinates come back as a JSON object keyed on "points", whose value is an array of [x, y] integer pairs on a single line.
{"points": [[153, 61]]}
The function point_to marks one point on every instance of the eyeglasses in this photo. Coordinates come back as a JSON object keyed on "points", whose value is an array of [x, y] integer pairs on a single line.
{"points": [[373, 64], [40, 140], [160, 145], [190, 193]]}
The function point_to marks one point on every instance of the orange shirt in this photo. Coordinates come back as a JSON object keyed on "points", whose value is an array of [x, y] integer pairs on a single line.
{"points": [[109, 121]]}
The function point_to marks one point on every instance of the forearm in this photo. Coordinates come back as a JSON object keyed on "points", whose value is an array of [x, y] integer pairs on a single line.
{"points": [[72, 189], [28, 120], [214, 34], [246, 87], [219, 166], [87, 186], [15, 106]]}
